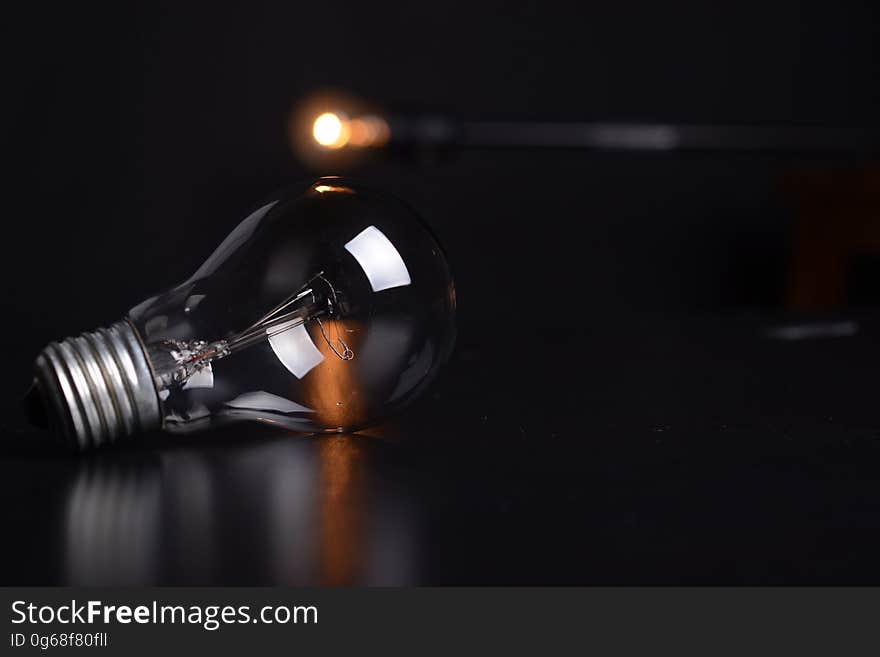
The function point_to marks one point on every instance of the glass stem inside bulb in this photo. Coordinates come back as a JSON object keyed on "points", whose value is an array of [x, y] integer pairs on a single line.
{"points": [[175, 361]]}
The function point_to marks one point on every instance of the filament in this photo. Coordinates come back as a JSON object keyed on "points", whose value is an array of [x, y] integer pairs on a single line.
{"points": [[192, 357]]}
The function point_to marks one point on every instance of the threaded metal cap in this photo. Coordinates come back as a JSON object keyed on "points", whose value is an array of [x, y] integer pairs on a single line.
{"points": [[98, 387]]}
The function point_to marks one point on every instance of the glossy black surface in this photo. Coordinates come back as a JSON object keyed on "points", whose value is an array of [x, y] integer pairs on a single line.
{"points": [[722, 450]]}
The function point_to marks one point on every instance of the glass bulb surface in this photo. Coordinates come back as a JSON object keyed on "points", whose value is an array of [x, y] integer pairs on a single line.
{"points": [[326, 309]]}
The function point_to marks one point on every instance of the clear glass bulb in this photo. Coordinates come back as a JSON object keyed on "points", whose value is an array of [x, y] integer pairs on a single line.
{"points": [[326, 309]]}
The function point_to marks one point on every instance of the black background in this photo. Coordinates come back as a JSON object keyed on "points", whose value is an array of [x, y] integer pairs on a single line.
{"points": [[614, 412]]}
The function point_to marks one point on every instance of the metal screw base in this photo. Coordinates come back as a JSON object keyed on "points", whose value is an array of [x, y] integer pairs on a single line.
{"points": [[98, 387]]}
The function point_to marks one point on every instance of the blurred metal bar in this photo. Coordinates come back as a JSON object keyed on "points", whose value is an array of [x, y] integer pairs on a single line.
{"points": [[636, 137]]}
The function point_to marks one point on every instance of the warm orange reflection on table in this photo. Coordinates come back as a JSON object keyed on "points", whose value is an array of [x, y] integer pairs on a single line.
{"points": [[341, 501], [332, 390]]}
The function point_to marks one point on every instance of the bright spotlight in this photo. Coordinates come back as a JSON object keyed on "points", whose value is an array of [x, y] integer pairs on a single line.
{"points": [[330, 130]]}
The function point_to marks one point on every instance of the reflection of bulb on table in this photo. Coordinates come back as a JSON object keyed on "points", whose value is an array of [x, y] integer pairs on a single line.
{"points": [[322, 311]]}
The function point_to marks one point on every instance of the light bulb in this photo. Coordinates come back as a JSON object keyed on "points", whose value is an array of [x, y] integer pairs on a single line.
{"points": [[326, 309], [331, 130], [335, 129]]}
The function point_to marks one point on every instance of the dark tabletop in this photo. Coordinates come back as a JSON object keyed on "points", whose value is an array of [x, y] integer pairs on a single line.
{"points": [[651, 450]]}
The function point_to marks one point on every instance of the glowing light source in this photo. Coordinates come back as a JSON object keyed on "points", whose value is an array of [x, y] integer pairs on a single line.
{"points": [[369, 130], [334, 130], [331, 130]]}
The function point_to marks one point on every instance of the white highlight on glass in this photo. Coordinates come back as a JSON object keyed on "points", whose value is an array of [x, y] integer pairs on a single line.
{"points": [[379, 259], [266, 401], [294, 347], [203, 378], [192, 302]]}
